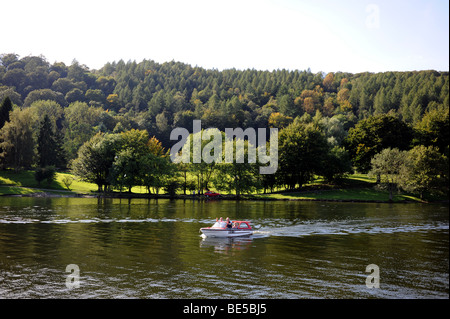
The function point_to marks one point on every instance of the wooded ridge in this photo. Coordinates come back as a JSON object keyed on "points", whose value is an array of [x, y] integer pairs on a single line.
{"points": [[329, 124]]}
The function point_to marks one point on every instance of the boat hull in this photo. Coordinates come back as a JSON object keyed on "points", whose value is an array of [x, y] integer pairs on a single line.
{"points": [[211, 232]]}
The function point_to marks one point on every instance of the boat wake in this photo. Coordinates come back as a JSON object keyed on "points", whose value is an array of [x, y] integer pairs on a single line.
{"points": [[93, 220], [345, 227], [264, 227]]}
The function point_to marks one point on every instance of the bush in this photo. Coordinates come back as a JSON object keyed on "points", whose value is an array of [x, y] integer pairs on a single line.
{"points": [[67, 181], [45, 173], [171, 188], [39, 175]]}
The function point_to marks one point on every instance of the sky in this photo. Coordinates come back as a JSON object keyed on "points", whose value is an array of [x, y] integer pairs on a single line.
{"points": [[320, 35]]}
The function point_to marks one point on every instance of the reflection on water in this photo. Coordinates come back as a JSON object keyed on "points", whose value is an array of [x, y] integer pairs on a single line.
{"points": [[226, 245], [153, 249]]}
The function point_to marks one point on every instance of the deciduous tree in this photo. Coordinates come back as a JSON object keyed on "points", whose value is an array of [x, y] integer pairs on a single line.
{"points": [[388, 165], [302, 149], [372, 135], [95, 159], [17, 143], [426, 171]]}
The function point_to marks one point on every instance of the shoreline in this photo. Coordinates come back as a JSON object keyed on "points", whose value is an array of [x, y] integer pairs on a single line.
{"points": [[261, 197], [356, 188]]}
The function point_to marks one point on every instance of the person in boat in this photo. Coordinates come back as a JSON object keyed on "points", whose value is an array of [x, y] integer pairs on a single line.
{"points": [[222, 222], [217, 223], [229, 223]]}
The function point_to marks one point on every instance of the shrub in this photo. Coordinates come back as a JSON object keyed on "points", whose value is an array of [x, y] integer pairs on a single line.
{"points": [[45, 173]]}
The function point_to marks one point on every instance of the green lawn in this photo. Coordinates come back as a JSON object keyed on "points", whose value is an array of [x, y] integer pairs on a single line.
{"points": [[356, 187], [357, 194], [15, 190], [24, 183]]}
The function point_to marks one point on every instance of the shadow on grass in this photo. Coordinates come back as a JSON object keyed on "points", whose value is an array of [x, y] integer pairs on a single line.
{"points": [[26, 179], [15, 190], [368, 194]]}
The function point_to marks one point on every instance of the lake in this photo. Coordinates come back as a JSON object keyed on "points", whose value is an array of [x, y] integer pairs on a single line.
{"points": [[120, 248]]}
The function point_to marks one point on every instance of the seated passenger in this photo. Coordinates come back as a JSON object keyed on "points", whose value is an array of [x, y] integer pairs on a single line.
{"points": [[229, 223], [222, 222], [216, 224]]}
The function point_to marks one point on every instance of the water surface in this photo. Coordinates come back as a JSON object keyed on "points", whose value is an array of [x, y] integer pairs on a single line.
{"points": [[153, 249]]}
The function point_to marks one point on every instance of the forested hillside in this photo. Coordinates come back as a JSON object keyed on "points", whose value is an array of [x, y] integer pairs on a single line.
{"points": [[155, 97], [161, 96]]}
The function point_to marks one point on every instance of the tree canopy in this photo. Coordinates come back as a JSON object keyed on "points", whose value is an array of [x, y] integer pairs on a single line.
{"points": [[326, 121], [160, 96]]}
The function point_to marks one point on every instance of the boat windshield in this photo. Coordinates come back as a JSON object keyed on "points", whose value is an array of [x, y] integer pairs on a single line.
{"points": [[241, 225], [219, 224]]}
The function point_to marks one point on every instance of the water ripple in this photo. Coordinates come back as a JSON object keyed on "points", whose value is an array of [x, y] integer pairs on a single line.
{"points": [[345, 227]]}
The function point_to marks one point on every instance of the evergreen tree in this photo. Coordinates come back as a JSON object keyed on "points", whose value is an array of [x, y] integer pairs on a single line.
{"points": [[49, 145], [5, 108]]}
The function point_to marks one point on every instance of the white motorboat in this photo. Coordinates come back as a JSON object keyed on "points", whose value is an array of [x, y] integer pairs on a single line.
{"points": [[239, 228]]}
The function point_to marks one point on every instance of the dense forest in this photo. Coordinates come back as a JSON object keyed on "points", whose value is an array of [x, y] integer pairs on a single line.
{"points": [[339, 118]]}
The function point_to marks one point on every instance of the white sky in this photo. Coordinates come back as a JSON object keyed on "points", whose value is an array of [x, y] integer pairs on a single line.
{"points": [[323, 35]]}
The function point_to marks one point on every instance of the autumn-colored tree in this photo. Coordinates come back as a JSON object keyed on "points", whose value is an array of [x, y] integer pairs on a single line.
{"points": [[310, 101], [279, 120], [112, 100], [309, 106], [155, 146], [343, 84], [328, 107], [328, 82], [342, 97]]}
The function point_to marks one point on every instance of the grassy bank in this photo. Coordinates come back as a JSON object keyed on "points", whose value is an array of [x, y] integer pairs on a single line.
{"points": [[353, 194], [23, 183], [357, 187]]}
